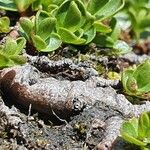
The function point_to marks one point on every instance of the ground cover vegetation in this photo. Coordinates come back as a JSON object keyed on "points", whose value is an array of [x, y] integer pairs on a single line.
{"points": [[99, 32]]}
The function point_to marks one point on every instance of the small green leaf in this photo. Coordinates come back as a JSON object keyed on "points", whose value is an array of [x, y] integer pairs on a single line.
{"points": [[8, 5], [4, 25], [41, 15], [109, 9], [52, 7], [38, 42], [69, 37], [89, 35], [73, 16], [9, 52], [79, 33], [27, 25], [115, 30], [145, 89], [4, 61], [45, 27], [144, 125], [137, 81], [137, 131], [132, 140], [22, 5], [100, 27], [13, 47], [88, 22], [126, 74], [10, 47], [129, 132], [109, 40], [36, 5], [53, 43], [46, 3], [95, 5], [142, 75], [145, 22], [130, 127], [103, 40], [18, 59], [121, 47], [21, 42]]}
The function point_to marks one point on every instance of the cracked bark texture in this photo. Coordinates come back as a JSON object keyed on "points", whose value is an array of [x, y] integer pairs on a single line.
{"points": [[82, 101], [46, 95]]}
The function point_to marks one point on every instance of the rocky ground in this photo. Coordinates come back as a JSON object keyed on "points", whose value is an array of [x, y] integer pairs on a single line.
{"points": [[64, 105]]}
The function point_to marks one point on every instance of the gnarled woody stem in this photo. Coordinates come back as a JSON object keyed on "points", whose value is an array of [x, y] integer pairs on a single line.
{"points": [[28, 90], [25, 85], [46, 95]]}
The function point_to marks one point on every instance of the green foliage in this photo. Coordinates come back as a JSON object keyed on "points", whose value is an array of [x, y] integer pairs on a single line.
{"points": [[104, 9], [4, 25], [15, 5], [136, 81], [74, 22], [39, 31], [23, 5], [77, 22], [110, 40], [9, 52], [8, 5], [138, 12], [137, 131]]}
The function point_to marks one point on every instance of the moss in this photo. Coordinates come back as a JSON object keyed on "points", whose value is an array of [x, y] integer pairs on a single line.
{"points": [[100, 69], [3, 135]]}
